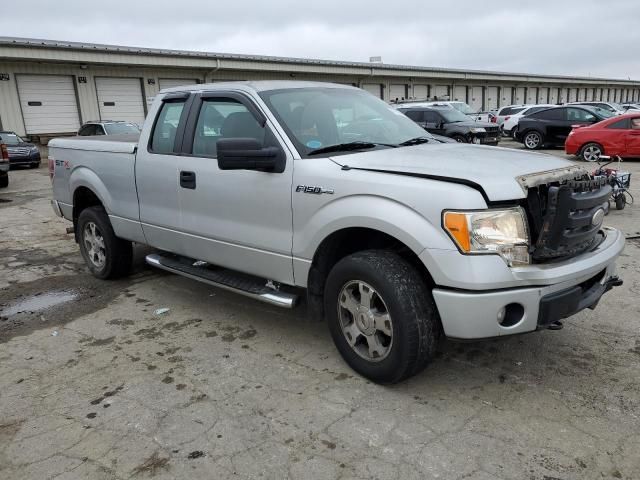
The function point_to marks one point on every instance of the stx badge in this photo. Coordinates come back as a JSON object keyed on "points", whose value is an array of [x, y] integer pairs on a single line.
{"points": [[312, 189]]}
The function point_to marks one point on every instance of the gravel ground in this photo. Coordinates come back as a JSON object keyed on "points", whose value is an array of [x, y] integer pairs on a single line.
{"points": [[95, 385]]}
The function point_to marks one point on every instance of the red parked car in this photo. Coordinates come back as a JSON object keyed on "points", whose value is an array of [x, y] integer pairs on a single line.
{"points": [[614, 136]]}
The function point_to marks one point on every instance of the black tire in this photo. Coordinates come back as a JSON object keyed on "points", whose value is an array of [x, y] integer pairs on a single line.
{"points": [[621, 201], [4, 181], [117, 253], [513, 132], [532, 140], [460, 139], [591, 152], [34, 165], [415, 323]]}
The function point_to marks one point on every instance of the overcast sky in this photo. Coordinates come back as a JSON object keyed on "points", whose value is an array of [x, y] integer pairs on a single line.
{"points": [[568, 37]]}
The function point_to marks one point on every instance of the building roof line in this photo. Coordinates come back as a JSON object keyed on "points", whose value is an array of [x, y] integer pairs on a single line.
{"points": [[122, 49]]}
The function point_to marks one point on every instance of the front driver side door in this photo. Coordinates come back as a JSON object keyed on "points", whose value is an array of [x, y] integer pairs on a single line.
{"points": [[240, 219]]}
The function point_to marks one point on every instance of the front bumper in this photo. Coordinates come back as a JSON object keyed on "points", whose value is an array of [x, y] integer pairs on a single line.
{"points": [[31, 159], [544, 292]]}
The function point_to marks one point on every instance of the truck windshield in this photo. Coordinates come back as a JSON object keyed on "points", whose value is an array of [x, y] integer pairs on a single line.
{"points": [[10, 138], [452, 115], [120, 128], [317, 118], [463, 108]]}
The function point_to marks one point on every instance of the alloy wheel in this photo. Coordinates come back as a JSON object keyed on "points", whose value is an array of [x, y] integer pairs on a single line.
{"points": [[365, 321], [591, 153], [94, 245], [532, 140]]}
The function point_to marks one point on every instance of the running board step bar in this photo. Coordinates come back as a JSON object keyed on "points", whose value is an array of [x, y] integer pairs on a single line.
{"points": [[247, 285]]}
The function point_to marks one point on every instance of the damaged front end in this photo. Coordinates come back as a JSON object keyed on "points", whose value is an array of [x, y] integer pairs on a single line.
{"points": [[565, 209]]}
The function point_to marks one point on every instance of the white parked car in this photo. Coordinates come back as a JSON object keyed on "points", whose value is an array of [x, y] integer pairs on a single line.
{"points": [[612, 107], [505, 112], [510, 125]]}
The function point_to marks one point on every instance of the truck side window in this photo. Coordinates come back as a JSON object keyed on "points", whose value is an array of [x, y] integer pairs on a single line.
{"points": [[223, 118], [164, 131]]}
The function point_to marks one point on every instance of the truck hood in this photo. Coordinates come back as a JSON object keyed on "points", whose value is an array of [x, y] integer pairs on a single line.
{"points": [[499, 173]]}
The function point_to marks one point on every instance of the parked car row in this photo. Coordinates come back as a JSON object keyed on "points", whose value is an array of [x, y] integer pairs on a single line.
{"points": [[551, 126]]}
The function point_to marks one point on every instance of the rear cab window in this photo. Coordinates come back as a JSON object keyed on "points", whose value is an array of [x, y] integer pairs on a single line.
{"points": [[163, 137]]}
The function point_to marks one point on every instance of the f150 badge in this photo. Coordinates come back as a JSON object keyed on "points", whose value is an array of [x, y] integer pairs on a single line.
{"points": [[312, 189]]}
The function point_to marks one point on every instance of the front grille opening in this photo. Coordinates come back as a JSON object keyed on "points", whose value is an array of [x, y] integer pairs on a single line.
{"points": [[561, 216]]}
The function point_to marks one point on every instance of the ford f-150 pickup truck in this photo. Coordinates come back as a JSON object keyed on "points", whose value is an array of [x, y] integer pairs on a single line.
{"points": [[273, 188]]}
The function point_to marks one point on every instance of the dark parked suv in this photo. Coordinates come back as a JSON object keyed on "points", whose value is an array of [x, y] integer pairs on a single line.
{"points": [[20, 152], [552, 126], [447, 121]]}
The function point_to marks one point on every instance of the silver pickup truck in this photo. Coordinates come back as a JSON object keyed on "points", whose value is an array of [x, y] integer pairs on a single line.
{"points": [[273, 188]]}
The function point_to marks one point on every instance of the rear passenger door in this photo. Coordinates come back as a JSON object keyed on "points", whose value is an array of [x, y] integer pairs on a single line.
{"points": [[157, 171], [240, 219]]}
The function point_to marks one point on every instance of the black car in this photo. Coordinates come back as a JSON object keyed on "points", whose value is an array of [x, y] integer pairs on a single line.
{"points": [[551, 126], [20, 152], [449, 122]]}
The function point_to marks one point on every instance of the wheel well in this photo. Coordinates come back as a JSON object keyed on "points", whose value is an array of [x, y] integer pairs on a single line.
{"points": [[343, 243], [587, 143], [83, 198]]}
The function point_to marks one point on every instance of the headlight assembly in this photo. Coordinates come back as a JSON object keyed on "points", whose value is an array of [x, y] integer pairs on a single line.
{"points": [[477, 130], [501, 231]]}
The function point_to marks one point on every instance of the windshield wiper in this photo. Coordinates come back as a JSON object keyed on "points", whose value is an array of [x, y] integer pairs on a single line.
{"points": [[415, 141], [347, 147]]}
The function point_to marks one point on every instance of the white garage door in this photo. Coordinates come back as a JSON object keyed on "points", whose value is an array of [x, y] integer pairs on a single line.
{"points": [[553, 95], [573, 95], [532, 95], [505, 96], [520, 96], [492, 98], [397, 92], [49, 103], [460, 93], [442, 92], [420, 92], [175, 82], [120, 99], [476, 99], [374, 89], [543, 95]]}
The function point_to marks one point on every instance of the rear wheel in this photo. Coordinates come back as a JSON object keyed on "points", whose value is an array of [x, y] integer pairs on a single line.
{"points": [[532, 140], [591, 152], [621, 201], [106, 255], [4, 181], [34, 165], [381, 315]]}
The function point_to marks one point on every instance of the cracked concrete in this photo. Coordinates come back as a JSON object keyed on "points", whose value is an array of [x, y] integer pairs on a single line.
{"points": [[100, 387]]}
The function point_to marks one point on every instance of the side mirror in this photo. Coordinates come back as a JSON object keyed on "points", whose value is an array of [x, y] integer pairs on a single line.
{"points": [[246, 154]]}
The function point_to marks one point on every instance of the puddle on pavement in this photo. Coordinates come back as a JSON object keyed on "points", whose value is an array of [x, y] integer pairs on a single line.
{"points": [[38, 303]]}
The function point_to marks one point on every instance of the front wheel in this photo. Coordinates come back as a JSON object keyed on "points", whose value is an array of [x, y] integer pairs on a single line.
{"points": [[381, 315], [460, 139], [106, 255], [532, 140], [621, 201], [591, 152], [4, 181]]}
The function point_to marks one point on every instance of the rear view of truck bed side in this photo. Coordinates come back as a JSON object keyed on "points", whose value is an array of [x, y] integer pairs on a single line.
{"points": [[87, 171]]}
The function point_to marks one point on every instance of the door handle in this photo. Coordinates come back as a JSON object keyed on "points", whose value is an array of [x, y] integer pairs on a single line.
{"points": [[188, 180]]}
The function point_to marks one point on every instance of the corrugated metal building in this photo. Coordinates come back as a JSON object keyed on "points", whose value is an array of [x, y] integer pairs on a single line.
{"points": [[52, 87]]}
